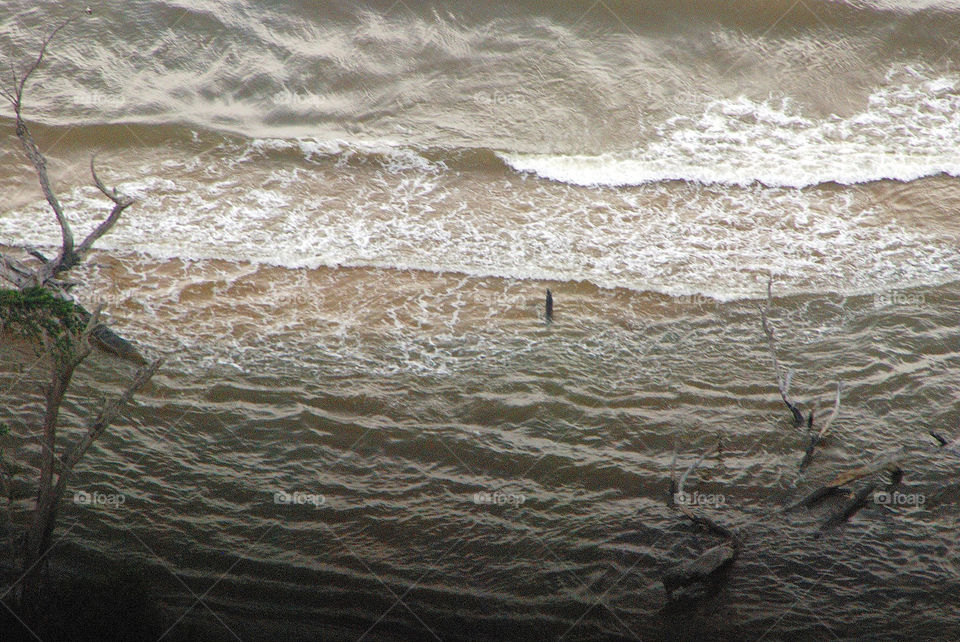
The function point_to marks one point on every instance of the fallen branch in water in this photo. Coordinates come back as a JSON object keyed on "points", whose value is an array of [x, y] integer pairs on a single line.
{"points": [[890, 462], [783, 380], [707, 566], [814, 498], [852, 489], [817, 439], [704, 568], [859, 500], [848, 510]]}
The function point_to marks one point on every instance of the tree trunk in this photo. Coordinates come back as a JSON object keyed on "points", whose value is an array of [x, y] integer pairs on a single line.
{"points": [[38, 537]]}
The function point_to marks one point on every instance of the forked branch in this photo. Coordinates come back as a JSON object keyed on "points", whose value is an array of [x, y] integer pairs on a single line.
{"points": [[817, 439], [70, 254], [120, 203], [783, 381], [707, 566]]}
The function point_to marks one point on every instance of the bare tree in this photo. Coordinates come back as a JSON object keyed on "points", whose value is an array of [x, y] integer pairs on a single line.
{"points": [[40, 306]]}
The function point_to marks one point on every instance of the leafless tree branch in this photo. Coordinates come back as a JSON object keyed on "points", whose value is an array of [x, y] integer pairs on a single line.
{"points": [[109, 412], [46, 275], [706, 566], [69, 254], [817, 439], [15, 97], [783, 381], [120, 203]]}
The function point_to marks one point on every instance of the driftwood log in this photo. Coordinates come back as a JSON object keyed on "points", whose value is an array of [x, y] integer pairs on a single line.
{"points": [[709, 565], [860, 499]]}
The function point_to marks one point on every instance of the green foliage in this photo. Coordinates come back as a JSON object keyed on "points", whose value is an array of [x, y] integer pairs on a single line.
{"points": [[36, 313]]}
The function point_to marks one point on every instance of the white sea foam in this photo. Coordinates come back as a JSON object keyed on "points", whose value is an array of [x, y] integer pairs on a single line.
{"points": [[906, 131], [312, 203], [679, 239]]}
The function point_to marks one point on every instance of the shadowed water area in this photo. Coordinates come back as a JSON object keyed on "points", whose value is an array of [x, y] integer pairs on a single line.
{"points": [[347, 217]]}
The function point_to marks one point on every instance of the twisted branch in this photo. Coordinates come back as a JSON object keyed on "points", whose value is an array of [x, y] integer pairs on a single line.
{"points": [[783, 381]]}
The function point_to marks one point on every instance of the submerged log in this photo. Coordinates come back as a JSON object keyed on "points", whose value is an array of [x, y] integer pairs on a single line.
{"points": [[815, 498], [851, 508], [889, 462], [703, 569], [109, 341], [861, 499], [548, 308]]}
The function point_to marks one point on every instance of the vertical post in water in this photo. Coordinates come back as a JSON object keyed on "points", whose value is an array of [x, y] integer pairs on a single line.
{"points": [[549, 307]]}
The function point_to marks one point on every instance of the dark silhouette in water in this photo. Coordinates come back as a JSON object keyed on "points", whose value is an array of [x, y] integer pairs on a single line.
{"points": [[549, 310]]}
